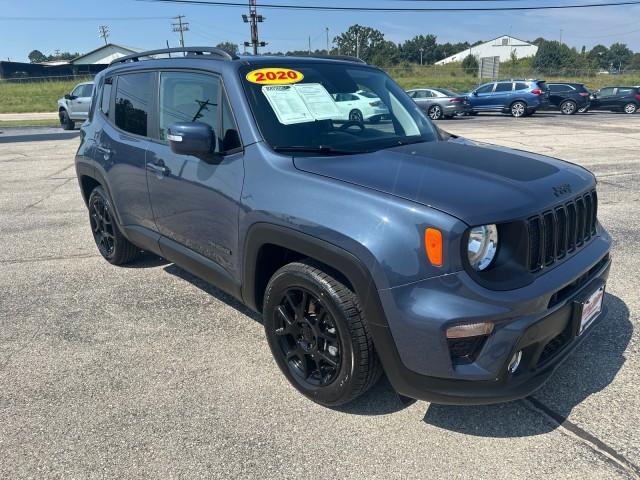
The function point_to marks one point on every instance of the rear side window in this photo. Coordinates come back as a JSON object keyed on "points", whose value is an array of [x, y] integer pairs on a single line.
{"points": [[188, 97], [559, 88], [625, 91], [105, 101], [133, 97], [521, 86], [504, 87]]}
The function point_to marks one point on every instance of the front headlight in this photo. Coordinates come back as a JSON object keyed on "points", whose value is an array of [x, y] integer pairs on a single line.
{"points": [[482, 247]]}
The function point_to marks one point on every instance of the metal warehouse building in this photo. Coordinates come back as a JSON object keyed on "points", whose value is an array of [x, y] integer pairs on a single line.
{"points": [[498, 47]]}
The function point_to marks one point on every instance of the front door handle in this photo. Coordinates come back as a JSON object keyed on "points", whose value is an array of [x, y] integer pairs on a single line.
{"points": [[160, 169]]}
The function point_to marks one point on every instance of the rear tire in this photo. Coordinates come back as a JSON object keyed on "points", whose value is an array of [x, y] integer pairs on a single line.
{"points": [[435, 112], [518, 109], [112, 245], [568, 107], [630, 108], [318, 335], [356, 116], [65, 122]]}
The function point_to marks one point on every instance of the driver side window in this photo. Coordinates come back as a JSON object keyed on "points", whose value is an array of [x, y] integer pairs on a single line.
{"points": [[486, 88], [188, 97]]}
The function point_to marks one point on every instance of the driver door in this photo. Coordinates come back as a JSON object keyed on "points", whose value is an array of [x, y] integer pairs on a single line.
{"points": [[482, 98], [195, 201], [80, 102]]}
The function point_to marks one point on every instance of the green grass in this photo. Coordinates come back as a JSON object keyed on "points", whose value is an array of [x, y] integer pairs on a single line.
{"points": [[22, 97], [29, 123]]}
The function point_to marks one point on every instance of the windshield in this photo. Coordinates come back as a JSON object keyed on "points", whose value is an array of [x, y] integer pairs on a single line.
{"points": [[330, 108]]}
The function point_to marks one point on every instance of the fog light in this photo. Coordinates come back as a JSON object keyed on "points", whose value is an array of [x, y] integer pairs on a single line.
{"points": [[515, 362]]}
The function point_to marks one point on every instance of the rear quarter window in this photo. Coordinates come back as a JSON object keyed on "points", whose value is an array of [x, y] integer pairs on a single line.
{"points": [[521, 86], [132, 103]]}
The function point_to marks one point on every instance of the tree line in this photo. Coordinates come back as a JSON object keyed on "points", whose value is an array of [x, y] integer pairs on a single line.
{"points": [[370, 45]]}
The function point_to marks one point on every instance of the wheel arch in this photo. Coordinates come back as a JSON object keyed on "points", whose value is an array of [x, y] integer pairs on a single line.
{"points": [[268, 247]]}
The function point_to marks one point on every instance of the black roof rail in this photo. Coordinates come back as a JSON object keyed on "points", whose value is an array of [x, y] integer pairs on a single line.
{"points": [[194, 51]]}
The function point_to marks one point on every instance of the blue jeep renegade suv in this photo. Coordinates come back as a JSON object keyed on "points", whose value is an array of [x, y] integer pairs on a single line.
{"points": [[465, 272]]}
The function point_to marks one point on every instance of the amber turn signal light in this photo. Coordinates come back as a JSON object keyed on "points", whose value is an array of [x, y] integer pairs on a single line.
{"points": [[433, 246]]}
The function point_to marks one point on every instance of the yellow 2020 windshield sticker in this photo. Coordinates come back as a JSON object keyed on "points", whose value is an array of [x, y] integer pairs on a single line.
{"points": [[274, 76]]}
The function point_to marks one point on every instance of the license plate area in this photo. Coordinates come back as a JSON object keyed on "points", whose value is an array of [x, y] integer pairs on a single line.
{"points": [[587, 306]]}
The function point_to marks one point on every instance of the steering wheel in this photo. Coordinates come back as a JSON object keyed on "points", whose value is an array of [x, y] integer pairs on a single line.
{"points": [[351, 123]]}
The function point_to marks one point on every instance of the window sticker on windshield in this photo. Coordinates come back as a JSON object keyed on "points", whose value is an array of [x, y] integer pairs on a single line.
{"points": [[287, 104], [301, 103], [319, 102], [274, 76]]}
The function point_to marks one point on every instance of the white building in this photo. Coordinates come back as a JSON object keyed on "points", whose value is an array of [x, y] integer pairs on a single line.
{"points": [[104, 55], [498, 47]]}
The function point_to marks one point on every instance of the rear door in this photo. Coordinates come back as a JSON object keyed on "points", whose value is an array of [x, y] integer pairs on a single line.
{"points": [[121, 144], [502, 95], [196, 200]]}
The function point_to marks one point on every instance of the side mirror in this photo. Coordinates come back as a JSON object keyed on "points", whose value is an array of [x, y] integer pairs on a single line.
{"points": [[192, 138], [68, 96], [474, 93]]}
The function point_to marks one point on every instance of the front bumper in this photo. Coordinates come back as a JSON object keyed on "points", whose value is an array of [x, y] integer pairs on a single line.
{"points": [[416, 356]]}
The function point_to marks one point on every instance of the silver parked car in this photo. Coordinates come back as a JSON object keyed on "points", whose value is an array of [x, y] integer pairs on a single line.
{"points": [[74, 106], [440, 103]]}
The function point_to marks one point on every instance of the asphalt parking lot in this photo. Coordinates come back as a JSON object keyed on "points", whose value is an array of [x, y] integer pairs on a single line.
{"points": [[148, 372]]}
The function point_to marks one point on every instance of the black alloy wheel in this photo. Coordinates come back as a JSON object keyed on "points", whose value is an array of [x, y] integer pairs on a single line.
{"points": [[111, 243], [356, 116], [309, 338], [318, 335], [102, 226]]}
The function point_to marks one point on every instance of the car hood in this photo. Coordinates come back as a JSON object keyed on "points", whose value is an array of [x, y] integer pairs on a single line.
{"points": [[477, 183]]}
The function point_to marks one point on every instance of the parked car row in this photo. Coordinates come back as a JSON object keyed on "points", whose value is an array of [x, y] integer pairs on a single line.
{"points": [[520, 98]]}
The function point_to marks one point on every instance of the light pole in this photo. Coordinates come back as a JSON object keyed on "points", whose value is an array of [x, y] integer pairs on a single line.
{"points": [[421, 52]]}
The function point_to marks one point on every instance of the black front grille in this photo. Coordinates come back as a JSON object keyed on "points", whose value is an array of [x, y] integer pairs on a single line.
{"points": [[561, 230]]}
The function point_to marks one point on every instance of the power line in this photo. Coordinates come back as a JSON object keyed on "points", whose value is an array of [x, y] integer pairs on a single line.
{"points": [[403, 9]]}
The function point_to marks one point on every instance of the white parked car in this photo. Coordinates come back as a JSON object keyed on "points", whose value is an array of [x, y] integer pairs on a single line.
{"points": [[360, 106], [74, 106]]}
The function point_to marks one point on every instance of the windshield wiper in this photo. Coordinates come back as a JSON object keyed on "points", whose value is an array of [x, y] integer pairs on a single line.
{"points": [[321, 149], [399, 143]]}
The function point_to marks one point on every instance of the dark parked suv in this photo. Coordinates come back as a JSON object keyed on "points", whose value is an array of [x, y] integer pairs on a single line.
{"points": [[617, 99], [465, 272], [517, 97], [569, 98]]}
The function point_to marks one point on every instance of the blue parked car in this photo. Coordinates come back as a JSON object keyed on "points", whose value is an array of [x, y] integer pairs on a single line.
{"points": [[517, 97], [465, 272]]}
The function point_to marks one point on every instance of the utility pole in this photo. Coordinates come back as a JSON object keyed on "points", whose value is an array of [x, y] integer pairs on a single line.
{"points": [[358, 44], [180, 27], [253, 19], [104, 32], [327, 32], [560, 36], [309, 45], [421, 52]]}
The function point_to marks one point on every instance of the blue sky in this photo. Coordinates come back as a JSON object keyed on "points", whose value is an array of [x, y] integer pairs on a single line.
{"points": [[72, 25]]}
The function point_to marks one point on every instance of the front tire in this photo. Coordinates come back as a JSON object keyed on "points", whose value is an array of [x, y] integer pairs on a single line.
{"points": [[630, 108], [112, 245], [65, 122], [318, 335], [568, 107], [518, 109]]}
